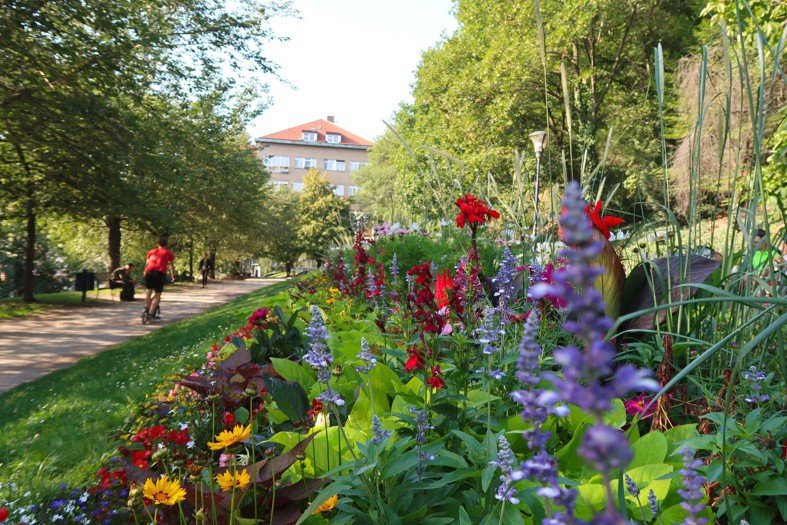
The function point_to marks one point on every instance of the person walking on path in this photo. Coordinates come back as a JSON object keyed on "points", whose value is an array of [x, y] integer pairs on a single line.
{"points": [[123, 279], [206, 267], [158, 259]]}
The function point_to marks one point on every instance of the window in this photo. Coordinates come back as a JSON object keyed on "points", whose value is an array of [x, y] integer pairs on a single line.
{"points": [[333, 138], [305, 163], [333, 165], [309, 136], [338, 190], [356, 165], [276, 161], [297, 186], [280, 184], [354, 190]]}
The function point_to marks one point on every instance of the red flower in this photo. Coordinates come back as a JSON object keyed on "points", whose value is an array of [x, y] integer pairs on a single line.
{"points": [[473, 211], [258, 316], [436, 381], [602, 224], [315, 409], [416, 359], [4, 513], [443, 285], [179, 437], [139, 458], [228, 419]]}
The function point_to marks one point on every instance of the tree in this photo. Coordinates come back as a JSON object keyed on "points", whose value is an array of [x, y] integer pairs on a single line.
{"points": [[579, 70], [324, 216], [280, 241]]}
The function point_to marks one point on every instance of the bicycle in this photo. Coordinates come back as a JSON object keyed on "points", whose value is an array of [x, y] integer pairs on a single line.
{"points": [[147, 317]]}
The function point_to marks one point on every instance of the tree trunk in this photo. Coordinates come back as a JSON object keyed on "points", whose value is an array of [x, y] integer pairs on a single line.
{"points": [[30, 253], [191, 257], [213, 264], [113, 223]]}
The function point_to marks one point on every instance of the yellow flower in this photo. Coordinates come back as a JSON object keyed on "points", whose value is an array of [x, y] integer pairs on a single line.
{"points": [[328, 504], [233, 480], [333, 290], [330, 300], [164, 491], [228, 438]]}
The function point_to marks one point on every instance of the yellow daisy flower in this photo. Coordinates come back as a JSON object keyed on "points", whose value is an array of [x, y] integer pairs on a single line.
{"points": [[233, 480], [328, 504], [164, 491], [228, 438]]}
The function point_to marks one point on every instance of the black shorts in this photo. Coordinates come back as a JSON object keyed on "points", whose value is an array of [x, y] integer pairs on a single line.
{"points": [[154, 281]]}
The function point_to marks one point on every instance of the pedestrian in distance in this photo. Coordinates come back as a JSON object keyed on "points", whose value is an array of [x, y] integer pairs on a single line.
{"points": [[206, 267], [123, 278], [156, 264]]}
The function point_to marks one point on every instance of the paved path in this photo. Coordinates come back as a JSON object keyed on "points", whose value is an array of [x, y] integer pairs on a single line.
{"points": [[34, 346]]}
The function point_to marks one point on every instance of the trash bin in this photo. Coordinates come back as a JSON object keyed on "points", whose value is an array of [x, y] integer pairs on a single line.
{"points": [[84, 281]]}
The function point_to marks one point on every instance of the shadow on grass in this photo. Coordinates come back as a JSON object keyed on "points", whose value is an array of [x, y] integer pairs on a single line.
{"points": [[59, 428]]}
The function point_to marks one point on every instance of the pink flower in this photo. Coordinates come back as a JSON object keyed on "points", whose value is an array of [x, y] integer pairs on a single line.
{"points": [[636, 406]]}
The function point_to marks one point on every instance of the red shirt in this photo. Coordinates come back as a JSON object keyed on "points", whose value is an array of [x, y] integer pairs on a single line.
{"points": [[158, 259]]}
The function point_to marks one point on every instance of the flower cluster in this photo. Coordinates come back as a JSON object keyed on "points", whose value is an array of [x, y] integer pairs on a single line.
{"points": [[473, 211], [422, 427], [504, 283], [585, 380], [537, 405], [602, 224], [506, 462], [365, 355], [319, 356], [379, 434], [754, 377], [361, 259], [692, 489], [152, 438], [259, 317]]}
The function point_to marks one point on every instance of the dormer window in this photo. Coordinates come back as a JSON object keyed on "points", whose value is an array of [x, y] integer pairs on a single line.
{"points": [[333, 138], [309, 136]]}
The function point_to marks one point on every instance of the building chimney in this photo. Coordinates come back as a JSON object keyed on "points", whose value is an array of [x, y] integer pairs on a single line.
{"points": [[330, 118]]}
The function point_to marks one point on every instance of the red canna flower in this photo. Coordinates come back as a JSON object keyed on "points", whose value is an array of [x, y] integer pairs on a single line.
{"points": [[602, 224], [473, 211], [443, 285], [228, 419], [436, 381], [416, 359]]}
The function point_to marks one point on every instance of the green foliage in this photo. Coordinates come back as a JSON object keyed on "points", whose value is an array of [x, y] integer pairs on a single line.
{"points": [[324, 217]]}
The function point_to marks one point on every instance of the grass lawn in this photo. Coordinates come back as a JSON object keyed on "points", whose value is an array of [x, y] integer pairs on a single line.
{"points": [[15, 307], [59, 428]]}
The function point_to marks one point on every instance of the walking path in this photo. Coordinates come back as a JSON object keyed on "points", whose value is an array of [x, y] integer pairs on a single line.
{"points": [[34, 346]]}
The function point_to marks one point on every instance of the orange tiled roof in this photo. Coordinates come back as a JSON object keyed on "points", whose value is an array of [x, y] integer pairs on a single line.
{"points": [[322, 127]]}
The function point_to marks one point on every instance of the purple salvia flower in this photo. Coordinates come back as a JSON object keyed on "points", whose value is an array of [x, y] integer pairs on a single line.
{"points": [[319, 356], [537, 405], [692, 489], [631, 486], [504, 282], [754, 377], [365, 355], [422, 427], [653, 503], [378, 432], [371, 287], [585, 379], [496, 374], [506, 462], [488, 334], [394, 268]]}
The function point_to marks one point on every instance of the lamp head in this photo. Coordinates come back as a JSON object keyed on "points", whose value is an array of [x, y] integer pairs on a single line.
{"points": [[539, 139]]}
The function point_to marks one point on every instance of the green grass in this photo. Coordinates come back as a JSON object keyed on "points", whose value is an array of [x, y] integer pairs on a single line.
{"points": [[15, 308], [61, 427]]}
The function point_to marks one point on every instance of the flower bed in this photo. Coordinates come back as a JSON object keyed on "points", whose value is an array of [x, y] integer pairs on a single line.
{"points": [[436, 395]]}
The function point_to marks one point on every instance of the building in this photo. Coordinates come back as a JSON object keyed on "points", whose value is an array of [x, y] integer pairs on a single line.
{"points": [[320, 145]]}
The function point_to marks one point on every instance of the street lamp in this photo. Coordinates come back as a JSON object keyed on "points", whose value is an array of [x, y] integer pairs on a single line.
{"points": [[539, 139]]}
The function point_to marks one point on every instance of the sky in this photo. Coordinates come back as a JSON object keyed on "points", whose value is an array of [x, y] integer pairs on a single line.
{"points": [[353, 59]]}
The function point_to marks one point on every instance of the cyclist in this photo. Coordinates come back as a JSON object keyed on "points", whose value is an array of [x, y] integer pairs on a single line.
{"points": [[158, 259]]}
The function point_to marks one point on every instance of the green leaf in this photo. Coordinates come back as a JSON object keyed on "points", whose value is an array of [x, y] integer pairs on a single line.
{"points": [[241, 415], [771, 487], [464, 518], [292, 371], [290, 398], [649, 449]]}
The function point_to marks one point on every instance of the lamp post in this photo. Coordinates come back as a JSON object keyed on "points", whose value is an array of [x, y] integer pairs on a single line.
{"points": [[539, 139]]}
